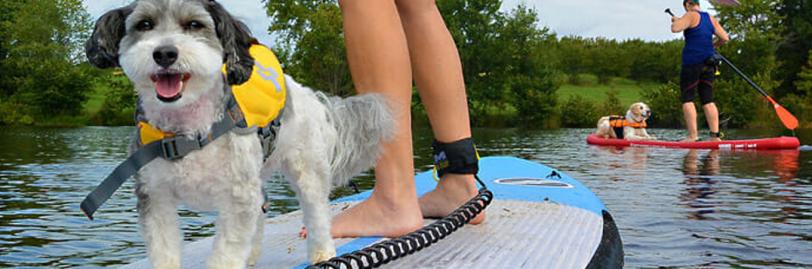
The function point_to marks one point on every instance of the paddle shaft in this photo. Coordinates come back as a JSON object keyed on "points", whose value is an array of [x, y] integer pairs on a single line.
{"points": [[746, 78], [786, 117]]}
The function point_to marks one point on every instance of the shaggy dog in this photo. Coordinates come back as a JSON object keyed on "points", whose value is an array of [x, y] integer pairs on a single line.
{"points": [[633, 124], [173, 51]]}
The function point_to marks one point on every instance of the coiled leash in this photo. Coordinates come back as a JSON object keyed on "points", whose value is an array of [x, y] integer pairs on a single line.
{"points": [[457, 158]]}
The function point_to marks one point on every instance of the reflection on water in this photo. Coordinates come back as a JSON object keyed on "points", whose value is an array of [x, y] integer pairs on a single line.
{"points": [[699, 182], [674, 208]]}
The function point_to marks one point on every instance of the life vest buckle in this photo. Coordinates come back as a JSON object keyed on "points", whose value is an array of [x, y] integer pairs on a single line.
{"points": [[175, 148], [266, 137]]}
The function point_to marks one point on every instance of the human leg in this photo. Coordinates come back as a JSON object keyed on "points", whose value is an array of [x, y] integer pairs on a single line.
{"points": [[705, 89], [379, 62], [689, 112], [689, 81], [712, 116], [438, 74]]}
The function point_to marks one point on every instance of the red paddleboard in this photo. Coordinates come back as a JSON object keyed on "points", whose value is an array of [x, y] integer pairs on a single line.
{"points": [[783, 142]]}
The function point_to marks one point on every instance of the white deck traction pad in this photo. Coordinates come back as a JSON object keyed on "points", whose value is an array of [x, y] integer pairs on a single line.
{"points": [[516, 234]]}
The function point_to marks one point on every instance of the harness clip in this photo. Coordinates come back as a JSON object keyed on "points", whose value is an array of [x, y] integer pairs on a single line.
{"points": [[177, 147]]}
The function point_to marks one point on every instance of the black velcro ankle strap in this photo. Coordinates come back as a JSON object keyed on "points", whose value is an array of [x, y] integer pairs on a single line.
{"points": [[458, 157]]}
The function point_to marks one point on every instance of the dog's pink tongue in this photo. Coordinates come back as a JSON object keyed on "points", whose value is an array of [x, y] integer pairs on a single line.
{"points": [[168, 86]]}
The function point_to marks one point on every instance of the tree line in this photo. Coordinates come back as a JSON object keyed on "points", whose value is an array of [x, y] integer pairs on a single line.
{"points": [[512, 66]]}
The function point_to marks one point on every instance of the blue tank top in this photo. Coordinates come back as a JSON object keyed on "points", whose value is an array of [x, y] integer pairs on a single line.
{"points": [[699, 41]]}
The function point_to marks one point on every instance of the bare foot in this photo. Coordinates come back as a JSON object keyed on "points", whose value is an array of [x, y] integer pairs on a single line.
{"points": [[715, 139], [379, 216], [452, 191], [688, 140]]}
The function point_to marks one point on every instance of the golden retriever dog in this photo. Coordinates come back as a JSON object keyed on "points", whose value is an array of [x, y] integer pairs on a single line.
{"points": [[629, 127]]}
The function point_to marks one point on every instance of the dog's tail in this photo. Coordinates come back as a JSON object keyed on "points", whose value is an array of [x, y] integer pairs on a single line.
{"points": [[362, 122]]}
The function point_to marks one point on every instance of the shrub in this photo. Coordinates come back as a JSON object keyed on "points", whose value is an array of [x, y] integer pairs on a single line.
{"points": [[119, 103], [578, 112], [612, 105], [665, 106]]}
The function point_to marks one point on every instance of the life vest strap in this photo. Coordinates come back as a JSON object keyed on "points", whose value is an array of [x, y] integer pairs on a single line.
{"points": [[123, 171], [267, 135], [171, 148], [620, 122]]}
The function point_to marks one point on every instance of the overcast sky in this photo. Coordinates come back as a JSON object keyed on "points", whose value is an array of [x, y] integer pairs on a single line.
{"points": [[617, 19]]}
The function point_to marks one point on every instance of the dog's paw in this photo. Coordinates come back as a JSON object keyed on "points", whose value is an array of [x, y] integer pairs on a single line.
{"points": [[254, 257], [321, 255]]}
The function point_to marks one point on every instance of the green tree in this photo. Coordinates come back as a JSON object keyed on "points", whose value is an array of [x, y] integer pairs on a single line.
{"points": [[577, 112], [118, 106], [796, 41], [311, 43], [8, 10], [804, 82], [473, 25], [751, 17], [800, 102], [572, 61], [503, 56], [528, 78], [41, 70], [667, 108], [653, 61]]}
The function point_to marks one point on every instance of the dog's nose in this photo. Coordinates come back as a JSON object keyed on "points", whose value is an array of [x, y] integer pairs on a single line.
{"points": [[165, 55]]}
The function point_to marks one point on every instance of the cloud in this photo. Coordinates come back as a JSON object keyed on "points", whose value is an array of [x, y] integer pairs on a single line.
{"points": [[252, 12]]}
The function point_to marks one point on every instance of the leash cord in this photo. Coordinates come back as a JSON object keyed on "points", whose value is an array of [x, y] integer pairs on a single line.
{"points": [[386, 251]]}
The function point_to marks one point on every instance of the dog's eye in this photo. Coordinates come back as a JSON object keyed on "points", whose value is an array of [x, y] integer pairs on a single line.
{"points": [[144, 25], [194, 25]]}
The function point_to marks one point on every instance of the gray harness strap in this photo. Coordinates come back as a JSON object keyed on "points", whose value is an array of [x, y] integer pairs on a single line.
{"points": [[123, 172], [171, 149]]}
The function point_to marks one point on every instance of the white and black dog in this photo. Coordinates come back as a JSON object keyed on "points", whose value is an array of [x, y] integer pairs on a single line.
{"points": [[173, 52]]}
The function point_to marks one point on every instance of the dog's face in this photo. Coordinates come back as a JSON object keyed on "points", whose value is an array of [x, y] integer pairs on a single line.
{"points": [[639, 112], [172, 50]]}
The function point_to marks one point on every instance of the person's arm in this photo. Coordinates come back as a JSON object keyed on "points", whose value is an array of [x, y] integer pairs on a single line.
{"points": [[679, 24], [721, 35]]}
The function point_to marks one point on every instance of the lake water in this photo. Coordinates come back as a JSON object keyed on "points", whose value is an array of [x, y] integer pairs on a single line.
{"points": [[674, 208]]}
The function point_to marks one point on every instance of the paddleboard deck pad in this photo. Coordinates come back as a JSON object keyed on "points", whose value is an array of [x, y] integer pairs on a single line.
{"points": [[776, 143], [539, 218]]}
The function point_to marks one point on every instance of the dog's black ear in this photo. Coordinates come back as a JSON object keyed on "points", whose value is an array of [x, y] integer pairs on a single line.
{"points": [[102, 47], [236, 40]]}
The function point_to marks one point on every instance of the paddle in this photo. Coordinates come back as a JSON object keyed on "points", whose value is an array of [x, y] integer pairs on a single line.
{"points": [[784, 115]]}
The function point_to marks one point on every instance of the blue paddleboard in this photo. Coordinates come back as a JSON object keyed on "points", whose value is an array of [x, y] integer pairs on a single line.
{"points": [[539, 218]]}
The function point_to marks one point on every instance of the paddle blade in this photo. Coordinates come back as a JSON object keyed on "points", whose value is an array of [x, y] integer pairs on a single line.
{"points": [[786, 118]]}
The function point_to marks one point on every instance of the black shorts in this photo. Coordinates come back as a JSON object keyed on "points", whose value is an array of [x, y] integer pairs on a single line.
{"points": [[697, 77]]}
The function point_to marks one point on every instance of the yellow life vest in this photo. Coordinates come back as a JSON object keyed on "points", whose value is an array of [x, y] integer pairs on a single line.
{"points": [[620, 122], [261, 98]]}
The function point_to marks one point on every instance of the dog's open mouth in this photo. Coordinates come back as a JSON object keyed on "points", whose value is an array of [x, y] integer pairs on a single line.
{"points": [[169, 84]]}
